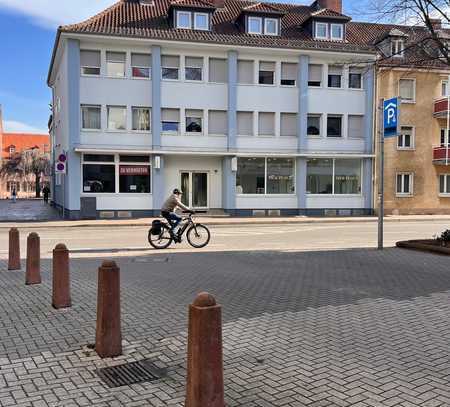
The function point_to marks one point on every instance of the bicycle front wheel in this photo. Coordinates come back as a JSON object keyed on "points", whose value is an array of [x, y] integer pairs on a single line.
{"points": [[198, 236], [162, 240]]}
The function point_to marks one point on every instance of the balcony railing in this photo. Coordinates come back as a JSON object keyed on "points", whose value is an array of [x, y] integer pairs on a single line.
{"points": [[441, 107], [441, 155]]}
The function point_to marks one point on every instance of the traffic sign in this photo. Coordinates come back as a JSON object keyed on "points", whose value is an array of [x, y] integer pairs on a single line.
{"points": [[391, 117], [60, 167], [62, 158]]}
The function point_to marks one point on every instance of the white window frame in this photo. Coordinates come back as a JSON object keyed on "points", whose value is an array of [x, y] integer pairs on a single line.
{"points": [[320, 135], [92, 67], [193, 67], [172, 67], [331, 32], [413, 139], [140, 67], [411, 184], [318, 37], [150, 113], [396, 50], [414, 90], [81, 118], [444, 82], [446, 138], [188, 13], [250, 18], [266, 20], [194, 133], [107, 118], [207, 21], [445, 193]]}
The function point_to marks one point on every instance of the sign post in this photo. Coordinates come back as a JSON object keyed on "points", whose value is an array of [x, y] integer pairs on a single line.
{"points": [[389, 128], [61, 169]]}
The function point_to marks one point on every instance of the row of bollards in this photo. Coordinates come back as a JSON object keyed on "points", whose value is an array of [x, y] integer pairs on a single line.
{"points": [[204, 386]]}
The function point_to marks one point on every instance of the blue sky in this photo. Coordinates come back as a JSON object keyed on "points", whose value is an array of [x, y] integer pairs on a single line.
{"points": [[27, 29]]}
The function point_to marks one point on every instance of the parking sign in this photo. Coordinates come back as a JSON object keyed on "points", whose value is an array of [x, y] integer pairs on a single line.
{"points": [[390, 117]]}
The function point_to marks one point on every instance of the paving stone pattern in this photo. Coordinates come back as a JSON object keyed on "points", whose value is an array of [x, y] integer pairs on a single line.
{"points": [[345, 328], [26, 210]]}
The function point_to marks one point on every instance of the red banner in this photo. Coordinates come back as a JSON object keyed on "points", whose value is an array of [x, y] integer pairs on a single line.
{"points": [[134, 170]]}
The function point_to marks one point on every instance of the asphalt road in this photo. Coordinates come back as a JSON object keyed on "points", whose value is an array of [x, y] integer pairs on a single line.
{"points": [[129, 241]]}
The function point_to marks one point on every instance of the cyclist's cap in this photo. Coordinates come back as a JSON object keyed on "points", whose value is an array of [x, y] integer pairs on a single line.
{"points": [[176, 191]]}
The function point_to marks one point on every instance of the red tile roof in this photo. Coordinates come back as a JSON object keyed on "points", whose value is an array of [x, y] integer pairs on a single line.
{"points": [[23, 142], [326, 13], [131, 19], [263, 8], [193, 4]]}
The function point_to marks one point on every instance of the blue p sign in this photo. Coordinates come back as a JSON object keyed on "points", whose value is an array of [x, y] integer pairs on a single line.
{"points": [[390, 117]]}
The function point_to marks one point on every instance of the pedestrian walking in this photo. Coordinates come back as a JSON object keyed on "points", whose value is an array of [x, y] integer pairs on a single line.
{"points": [[46, 192], [14, 194]]}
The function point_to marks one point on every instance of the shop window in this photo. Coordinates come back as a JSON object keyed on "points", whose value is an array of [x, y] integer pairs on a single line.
{"points": [[319, 176], [99, 178], [280, 176], [250, 177], [347, 177], [134, 179]]}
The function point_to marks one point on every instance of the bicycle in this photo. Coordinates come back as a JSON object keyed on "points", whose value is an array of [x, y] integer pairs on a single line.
{"points": [[161, 236]]}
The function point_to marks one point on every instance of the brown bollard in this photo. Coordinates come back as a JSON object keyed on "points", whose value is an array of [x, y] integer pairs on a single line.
{"points": [[61, 277], [108, 338], [205, 362], [14, 250], [33, 272]]}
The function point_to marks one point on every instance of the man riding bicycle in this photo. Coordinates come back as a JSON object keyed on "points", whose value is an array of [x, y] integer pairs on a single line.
{"points": [[168, 209]]}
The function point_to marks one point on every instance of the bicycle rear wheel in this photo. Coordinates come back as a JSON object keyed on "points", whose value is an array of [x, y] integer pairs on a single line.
{"points": [[162, 240], [198, 236]]}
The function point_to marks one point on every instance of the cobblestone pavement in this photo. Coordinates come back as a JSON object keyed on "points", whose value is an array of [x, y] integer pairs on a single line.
{"points": [[344, 328], [26, 210]]}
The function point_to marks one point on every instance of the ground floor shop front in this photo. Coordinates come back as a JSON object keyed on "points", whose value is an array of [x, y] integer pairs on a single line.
{"points": [[102, 184]]}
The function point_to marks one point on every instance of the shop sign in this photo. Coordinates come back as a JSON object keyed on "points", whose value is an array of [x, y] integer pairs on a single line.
{"points": [[134, 170]]}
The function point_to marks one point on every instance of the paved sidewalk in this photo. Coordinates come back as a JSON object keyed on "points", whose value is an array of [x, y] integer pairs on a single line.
{"points": [[354, 328], [26, 210], [219, 221]]}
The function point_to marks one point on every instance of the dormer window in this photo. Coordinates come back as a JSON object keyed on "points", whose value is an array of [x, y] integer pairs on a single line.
{"points": [[184, 19], [201, 21], [271, 26], [397, 48], [255, 25], [337, 32], [321, 31]]}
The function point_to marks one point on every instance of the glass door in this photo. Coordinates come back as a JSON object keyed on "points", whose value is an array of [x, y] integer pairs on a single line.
{"points": [[195, 189]]}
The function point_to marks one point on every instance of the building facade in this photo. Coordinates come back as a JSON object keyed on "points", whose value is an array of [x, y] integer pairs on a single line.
{"points": [[12, 144], [249, 108], [416, 162]]}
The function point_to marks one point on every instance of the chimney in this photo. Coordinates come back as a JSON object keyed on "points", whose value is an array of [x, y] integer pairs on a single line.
{"points": [[218, 3], [335, 5], [436, 23]]}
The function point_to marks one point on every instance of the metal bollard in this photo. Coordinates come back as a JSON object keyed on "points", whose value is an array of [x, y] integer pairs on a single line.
{"points": [[14, 250], [33, 271], [108, 338], [205, 361], [61, 277]]}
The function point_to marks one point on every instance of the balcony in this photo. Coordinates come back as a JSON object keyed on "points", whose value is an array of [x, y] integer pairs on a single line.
{"points": [[441, 108], [441, 155]]}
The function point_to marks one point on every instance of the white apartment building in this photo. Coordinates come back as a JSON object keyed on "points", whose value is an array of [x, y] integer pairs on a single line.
{"points": [[250, 108]]}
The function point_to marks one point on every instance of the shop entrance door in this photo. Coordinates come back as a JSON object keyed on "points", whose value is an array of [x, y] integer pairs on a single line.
{"points": [[194, 185]]}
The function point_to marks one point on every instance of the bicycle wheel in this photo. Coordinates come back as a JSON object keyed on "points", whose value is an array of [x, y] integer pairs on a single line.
{"points": [[162, 240], [198, 236]]}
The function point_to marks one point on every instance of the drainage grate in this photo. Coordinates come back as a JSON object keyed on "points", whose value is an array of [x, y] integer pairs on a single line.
{"points": [[131, 373]]}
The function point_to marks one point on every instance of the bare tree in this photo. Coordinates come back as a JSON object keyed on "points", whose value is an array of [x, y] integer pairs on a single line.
{"points": [[38, 164]]}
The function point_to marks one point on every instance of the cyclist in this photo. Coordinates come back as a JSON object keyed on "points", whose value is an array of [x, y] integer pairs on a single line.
{"points": [[168, 209]]}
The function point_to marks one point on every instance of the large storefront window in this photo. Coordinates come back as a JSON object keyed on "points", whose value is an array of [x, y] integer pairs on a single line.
{"points": [[333, 176], [347, 176], [280, 176], [250, 178], [99, 178], [265, 176], [99, 174], [319, 178], [134, 179]]}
